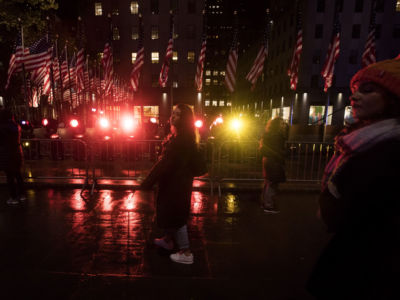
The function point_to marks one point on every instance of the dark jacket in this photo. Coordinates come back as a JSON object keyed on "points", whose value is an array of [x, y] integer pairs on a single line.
{"points": [[174, 174], [362, 260], [272, 148], [10, 146]]}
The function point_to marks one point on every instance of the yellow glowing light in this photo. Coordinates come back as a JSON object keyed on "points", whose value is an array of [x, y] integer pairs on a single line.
{"points": [[26, 144], [236, 124]]}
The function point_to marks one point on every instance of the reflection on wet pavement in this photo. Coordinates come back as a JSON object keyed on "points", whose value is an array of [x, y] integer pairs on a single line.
{"points": [[111, 233]]}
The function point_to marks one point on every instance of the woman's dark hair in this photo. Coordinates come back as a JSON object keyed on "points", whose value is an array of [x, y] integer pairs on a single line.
{"points": [[274, 125], [185, 125]]}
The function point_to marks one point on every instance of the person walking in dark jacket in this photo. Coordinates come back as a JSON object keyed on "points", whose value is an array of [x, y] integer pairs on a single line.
{"points": [[272, 148], [174, 174], [11, 156], [359, 201]]}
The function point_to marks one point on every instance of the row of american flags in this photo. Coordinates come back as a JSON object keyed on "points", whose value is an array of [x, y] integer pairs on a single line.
{"points": [[44, 66]]}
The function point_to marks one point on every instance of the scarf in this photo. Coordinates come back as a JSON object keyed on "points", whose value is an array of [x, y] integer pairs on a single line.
{"points": [[357, 141]]}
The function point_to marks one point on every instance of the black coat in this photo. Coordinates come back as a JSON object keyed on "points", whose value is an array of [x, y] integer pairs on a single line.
{"points": [[362, 260], [10, 146], [174, 174], [272, 148]]}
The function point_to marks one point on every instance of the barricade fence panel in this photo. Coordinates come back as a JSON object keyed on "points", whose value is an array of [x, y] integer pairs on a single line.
{"points": [[55, 158], [227, 160]]}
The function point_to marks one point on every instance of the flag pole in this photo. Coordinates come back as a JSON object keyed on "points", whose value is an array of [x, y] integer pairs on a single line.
{"points": [[69, 75], [51, 71], [28, 116]]}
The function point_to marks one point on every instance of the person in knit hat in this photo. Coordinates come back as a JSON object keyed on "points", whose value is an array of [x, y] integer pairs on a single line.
{"points": [[359, 201]]}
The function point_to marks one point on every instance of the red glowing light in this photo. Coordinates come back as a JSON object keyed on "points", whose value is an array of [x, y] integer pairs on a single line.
{"points": [[93, 109], [74, 123], [107, 138], [104, 123], [45, 122], [128, 123], [54, 136], [198, 123]]}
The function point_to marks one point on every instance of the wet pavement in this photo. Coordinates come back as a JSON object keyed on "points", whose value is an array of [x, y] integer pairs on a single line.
{"points": [[59, 245]]}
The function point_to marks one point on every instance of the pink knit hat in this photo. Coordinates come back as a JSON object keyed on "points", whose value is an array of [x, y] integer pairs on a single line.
{"points": [[385, 73]]}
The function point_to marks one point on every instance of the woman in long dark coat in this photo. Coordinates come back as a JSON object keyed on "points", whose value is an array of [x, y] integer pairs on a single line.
{"points": [[272, 148], [359, 201], [174, 174]]}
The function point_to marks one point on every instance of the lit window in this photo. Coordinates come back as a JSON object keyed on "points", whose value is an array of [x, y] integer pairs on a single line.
{"points": [[175, 55], [207, 103], [134, 56], [215, 82], [221, 103], [115, 12], [190, 56], [100, 55], [208, 81], [215, 103], [154, 32], [154, 57], [398, 5], [98, 9], [135, 33], [116, 34], [175, 84], [134, 7], [208, 72], [215, 73], [228, 103], [222, 73]]}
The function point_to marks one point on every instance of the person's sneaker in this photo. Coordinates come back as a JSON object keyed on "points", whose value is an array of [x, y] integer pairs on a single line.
{"points": [[164, 244], [12, 201], [271, 211], [182, 258]]}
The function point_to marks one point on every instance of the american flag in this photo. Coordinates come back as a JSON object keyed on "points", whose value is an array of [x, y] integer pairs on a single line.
{"points": [[40, 54], [80, 58], [137, 65], [333, 53], [107, 62], [293, 71], [70, 74], [230, 75], [15, 60], [258, 64], [56, 69], [168, 55], [79, 70], [369, 54], [200, 64]]}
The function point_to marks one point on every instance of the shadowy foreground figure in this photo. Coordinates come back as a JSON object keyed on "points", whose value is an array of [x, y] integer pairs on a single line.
{"points": [[272, 149], [11, 157], [178, 164], [359, 202]]}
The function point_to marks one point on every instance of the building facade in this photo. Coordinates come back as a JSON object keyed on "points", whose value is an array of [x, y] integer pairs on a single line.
{"points": [[307, 104], [120, 20]]}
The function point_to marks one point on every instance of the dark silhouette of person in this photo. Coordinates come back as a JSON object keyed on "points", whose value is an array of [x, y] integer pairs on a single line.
{"points": [[11, 156], [359, 200], [272, 149], [174, 172]]}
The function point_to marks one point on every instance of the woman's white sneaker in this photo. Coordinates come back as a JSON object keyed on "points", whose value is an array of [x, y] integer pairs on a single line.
{"points": [[182, 258]]}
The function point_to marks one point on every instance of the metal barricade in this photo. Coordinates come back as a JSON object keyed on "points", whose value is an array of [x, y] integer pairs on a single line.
{"points": [[239, 160], [55, 159], [307, 160], [126, 160]]}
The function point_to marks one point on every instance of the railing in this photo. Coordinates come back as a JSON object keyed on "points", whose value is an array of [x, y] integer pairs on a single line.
{"points": [[228, 161]]}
